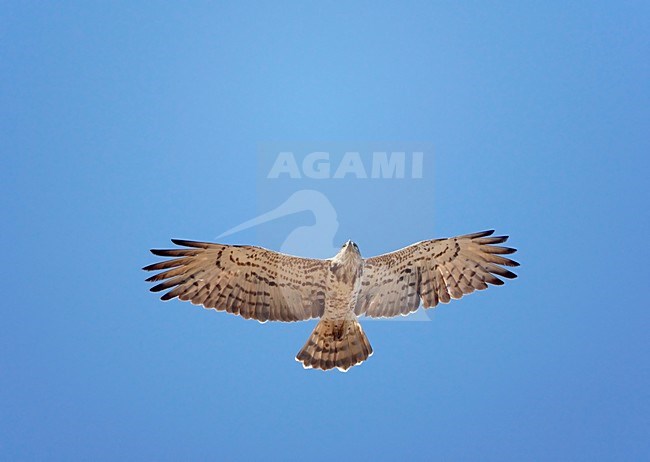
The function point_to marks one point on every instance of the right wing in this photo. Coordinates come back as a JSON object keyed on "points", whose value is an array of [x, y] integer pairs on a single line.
{"points": [[249, 281]]}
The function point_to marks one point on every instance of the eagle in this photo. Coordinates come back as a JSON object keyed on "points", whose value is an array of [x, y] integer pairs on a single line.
{"points": [[257, 283]]}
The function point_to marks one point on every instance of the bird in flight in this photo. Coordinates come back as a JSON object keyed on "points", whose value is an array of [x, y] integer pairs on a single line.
{"points": [[261, 284]]}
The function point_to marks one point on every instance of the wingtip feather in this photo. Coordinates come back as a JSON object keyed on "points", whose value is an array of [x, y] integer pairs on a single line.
{"points": [[479, 234], [188, 243], [167, 296]]}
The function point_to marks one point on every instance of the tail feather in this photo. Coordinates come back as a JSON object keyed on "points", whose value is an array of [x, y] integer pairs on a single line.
{"points": [[335, 343]]}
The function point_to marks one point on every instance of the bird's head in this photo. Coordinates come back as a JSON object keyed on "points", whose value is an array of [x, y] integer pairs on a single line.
{"points": [[349, 256], [350, 247]]}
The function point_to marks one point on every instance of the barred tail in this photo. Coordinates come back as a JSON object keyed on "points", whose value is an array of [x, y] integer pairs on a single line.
{"points": [[341, 344]]}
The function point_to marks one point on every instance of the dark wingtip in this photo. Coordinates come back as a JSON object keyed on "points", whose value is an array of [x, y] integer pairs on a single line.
{"points": [[487, 232], [194, 244], [157, 288]]}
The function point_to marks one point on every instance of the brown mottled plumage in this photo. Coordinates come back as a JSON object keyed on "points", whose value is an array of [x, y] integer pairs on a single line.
{"points": [[269, 286]]}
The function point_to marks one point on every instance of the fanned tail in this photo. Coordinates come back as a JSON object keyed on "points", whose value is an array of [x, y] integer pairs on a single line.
{"points": [[341, 344]]}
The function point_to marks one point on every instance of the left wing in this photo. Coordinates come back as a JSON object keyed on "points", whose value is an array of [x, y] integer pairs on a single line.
{"points": [[433, 271]]}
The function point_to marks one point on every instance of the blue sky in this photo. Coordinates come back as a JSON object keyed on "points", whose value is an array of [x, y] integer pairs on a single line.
{"points": [[125, 124]]}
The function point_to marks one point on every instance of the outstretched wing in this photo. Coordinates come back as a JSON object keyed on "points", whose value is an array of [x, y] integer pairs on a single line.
{"points": [[434, 271], [249, 281]]}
